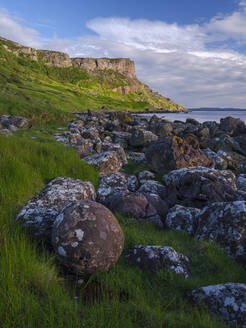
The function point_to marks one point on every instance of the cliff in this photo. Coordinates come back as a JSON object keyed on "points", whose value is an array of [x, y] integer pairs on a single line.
{"points": [[97, 76]]}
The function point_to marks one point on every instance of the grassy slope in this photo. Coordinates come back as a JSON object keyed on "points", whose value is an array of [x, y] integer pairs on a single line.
{"points": [[33, 89], [34, 290]]}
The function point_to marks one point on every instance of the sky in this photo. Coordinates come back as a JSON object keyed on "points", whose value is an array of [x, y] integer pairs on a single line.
{"points": [[193, 52]]}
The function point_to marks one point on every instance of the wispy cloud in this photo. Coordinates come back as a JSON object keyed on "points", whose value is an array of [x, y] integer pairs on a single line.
{"points": [[202, 64]]}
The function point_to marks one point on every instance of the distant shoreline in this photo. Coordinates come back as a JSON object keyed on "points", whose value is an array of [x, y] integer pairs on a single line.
{"points": [[213, 109]]}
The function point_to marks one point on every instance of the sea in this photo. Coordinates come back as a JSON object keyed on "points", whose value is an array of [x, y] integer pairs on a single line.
{"points": [[203, 116]]}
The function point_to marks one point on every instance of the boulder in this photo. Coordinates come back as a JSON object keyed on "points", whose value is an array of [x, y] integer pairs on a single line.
{"points": [[172, 153], [232, 126], [110, 184], [241, 182], [138, 158], [145, 175], [106, 146], [225, 223], [106, 162], [157, 258], [134, 205], [199, 186], [132, 183], [153, 187], [225, 300], [121, 138], [220, 161], [87, 238], [40, 212], [142, 138], [14, 122], [91, 133], [182, 219]]}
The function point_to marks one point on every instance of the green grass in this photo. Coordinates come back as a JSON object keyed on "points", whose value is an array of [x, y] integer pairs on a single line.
{"points": [[36, 292], [47, 94]]}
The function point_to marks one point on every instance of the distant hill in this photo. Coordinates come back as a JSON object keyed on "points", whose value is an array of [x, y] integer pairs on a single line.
{"points": [[216, 109], [45, 85]]}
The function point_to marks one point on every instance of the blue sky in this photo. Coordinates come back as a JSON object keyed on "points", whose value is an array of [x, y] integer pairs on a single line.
{"points": [[191, 51]]}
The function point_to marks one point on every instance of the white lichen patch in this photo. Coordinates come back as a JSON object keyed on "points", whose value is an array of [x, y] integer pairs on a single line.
{"points": [[79, 234]]}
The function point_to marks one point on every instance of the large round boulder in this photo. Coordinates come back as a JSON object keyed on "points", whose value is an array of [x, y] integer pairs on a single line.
{"points": [[172, 153], [87, 238], [41, 211]]}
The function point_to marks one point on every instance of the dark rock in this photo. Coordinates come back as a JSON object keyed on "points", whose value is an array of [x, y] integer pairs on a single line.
{"points": [[145, 175], [182, 219], [199, 186], [40, 212], [142, 138], [87, 238], [106, 162], [138, 158], [16, 122], [225, 224], [134, 205], [173, 153], [132, 183], [192, 121], [153, 187], [157, 258], [226, 300], [121, 138], [233, 126]]}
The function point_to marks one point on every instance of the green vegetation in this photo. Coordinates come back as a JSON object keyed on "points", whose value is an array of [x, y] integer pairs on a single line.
{"points": [[37, 292], [47, 94]]}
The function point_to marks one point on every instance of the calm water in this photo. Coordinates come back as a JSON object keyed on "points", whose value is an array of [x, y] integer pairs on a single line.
{"points": [[203, 116]]}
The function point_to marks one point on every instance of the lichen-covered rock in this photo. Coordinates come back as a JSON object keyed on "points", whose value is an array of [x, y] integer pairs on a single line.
{"points": [[134, 205], [225, 300], [110, 184], [132, 183], [241, 182], [138, 158], [198, 186], [220, 161], [91, 133], [121, 138], [156, 258], [142, 138], [87, 238], [16, 122], [182, 219], [172, 153], [115, 147], [106, 162], [145, 175], [153, 187], [225, 223], [40, 212]]}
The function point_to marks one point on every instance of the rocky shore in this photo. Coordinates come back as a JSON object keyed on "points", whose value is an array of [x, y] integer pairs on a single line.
{"points": [[193, 179]]}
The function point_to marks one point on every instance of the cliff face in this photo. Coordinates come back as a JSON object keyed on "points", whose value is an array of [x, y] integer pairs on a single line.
{"points": [[124, 66], [124, 83]]}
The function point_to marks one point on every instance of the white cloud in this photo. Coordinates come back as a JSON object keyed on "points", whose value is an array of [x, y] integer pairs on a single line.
{"points": [[174, 60], [12, 28]]}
